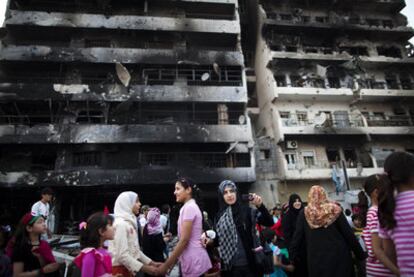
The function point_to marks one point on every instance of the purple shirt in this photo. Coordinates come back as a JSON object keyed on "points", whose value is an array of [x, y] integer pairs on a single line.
{"points": [[194, 260], [94, 262], [403, 234]]}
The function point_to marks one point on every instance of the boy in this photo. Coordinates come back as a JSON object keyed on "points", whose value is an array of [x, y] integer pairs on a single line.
{"points": [[42, 208]]}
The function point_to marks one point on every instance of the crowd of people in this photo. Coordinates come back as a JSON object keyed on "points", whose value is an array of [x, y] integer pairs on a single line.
{"points": [[316, 239]]}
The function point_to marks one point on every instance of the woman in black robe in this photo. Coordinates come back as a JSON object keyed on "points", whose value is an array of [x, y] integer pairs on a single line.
{"points": [[324, 232]]}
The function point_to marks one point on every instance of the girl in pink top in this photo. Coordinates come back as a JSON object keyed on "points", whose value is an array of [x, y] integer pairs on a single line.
{"points": [[395, 212], [193, 257], [94, 260], [377, 264]]}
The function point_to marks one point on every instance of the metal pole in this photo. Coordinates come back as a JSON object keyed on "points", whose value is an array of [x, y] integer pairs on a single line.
{"points": [[348, 185]]}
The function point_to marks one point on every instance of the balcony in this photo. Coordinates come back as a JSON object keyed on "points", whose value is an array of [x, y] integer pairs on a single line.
{"points": [[319, 172], [128, 133], [127, 22], [308, 93], [286, 22]]}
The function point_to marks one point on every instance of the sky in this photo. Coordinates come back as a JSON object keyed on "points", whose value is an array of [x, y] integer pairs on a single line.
{"points": [[407, 11]]}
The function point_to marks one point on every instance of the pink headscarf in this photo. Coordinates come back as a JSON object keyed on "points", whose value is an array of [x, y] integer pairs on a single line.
{"points": [[153, 222]]}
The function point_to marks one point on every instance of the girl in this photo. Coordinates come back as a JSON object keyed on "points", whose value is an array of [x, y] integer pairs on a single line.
{"points": [[233, 225], [94, 260], [153, 241], [127, 258], [395, 211], [32, 256], [194, 260], [324, 232], [377, 264]]}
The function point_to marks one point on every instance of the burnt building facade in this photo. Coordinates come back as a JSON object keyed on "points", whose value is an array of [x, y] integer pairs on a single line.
{"points": [[99, 96], [335, 89]]}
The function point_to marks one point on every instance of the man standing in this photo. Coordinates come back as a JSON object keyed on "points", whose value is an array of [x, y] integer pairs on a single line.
{"points": [[42, 208]]}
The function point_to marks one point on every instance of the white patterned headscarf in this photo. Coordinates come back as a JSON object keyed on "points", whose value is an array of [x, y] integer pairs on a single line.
{"points": [[123, 207]]}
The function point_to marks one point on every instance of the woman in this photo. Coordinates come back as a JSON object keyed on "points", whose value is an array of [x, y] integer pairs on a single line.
{"points": [[127, 258], [291, 216], [377, 264], [194, 260], [153, 241], [395, 211], [327, 236], [234, 225]]}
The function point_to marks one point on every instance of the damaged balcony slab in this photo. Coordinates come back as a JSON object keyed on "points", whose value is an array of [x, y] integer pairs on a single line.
{"points": [[375, 95], [75, 134], [398, 33], [118, 93], [122, 22], [310, 56], [144, 175], [321, 94], [326, 173], [125, 56]]}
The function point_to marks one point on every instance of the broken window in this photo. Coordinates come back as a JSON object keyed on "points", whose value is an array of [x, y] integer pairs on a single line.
{"points": [[350, 158], [321, 19], [158, 159], [406, 82], [291, 160], [308, 159], [332, 155], [285, 117], [264, 154], [302, 117], [92, 158], [223, 115], [391, 81], [297, 81], [93, 117], [381, 154], [372, 22], [392, 52], [285, 17], [291, 48], [334, 82], [281, 80], [387, 23], [43, 161]]}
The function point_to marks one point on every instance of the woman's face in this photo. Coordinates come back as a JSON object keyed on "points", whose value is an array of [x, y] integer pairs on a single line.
{"points": [[181, 194], [297, 204], [230, 196], [136, 207], [39, 227]]}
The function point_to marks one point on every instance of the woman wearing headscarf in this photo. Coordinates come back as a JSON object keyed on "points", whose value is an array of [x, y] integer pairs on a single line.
{"points": [[328, 238], [153, 241], [127, 258], [290, 217], [234, 224]]}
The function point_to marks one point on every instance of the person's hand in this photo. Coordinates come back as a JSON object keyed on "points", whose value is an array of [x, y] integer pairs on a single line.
{"points": [[161, 270], [35, 252], [49, 268], [257, 200], [156, 264], [149, 269]]}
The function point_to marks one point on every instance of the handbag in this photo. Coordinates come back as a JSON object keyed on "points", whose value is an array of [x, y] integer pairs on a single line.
{"points": [[263, 254]]}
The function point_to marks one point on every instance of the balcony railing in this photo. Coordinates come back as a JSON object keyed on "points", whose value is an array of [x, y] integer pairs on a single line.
{"points": [[391, 121], [353, 121]]}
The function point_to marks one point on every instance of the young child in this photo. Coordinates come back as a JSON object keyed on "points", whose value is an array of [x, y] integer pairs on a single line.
{"points": [[94, 260], [280, 261], [32, 256]]}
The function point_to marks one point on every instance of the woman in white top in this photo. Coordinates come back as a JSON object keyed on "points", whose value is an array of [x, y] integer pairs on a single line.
{"points": [[127, 258]]}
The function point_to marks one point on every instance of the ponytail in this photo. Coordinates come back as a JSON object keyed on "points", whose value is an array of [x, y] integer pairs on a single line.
{"points": [[399, 170], [386, 204], [363, 205]]}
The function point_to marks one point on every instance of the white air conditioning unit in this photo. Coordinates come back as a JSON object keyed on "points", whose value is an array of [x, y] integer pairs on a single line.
{"points": [[291, 144]]}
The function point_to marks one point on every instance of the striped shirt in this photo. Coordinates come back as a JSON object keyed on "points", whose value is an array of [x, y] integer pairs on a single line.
{"points": [[374, 266], [403, 234]]}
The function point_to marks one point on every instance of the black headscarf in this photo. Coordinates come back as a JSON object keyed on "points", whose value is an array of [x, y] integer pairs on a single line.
{"points": [[290, 217]]}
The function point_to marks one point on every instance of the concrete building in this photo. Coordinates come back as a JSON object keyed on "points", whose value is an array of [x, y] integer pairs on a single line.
{"points": [[335, 89], [101, 96]]}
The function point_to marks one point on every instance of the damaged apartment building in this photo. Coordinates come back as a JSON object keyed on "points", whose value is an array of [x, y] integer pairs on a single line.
{"points": [[99, 96], [335, 88]]}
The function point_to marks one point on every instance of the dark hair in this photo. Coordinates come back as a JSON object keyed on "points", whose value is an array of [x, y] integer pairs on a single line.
{"points": [[47, 191], [195, 190], [165, 209], [371, 183], [399, 170], [89, 236], [348, 212], [268, 235], [21, 237], [357, 217]]}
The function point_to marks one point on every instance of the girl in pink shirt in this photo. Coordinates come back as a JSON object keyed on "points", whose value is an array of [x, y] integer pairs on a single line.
{"points": [[395, 211], [94, 260], [194, 260]]}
